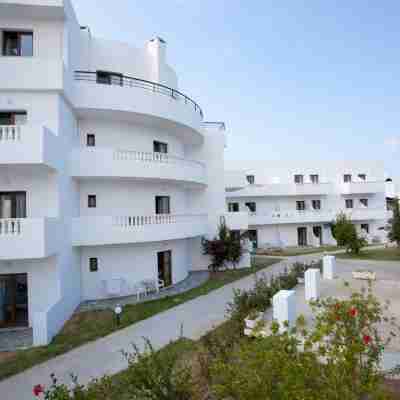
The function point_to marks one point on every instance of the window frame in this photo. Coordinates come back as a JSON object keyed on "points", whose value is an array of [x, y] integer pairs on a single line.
{"points": [[364, 200], [362, 177], [347, 202], [93, 264], [159, 207], [88, 137], [362, 226], [316, 201], [161, 145], [251, 179], [249, 208], [13, 114], [18, 33], [313, 180], [345, 178], [232, 205], [298, 202], [110, 78], [301, 180]]}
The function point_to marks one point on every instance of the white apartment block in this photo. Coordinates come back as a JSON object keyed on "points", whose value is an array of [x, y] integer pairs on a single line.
{"points": [[108, 174], [293, 203]]}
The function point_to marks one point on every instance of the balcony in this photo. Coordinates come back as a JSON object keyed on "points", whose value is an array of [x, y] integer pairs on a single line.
{"points": [[92, 231], [35, 9], [367, 187], [28, 145], [237, 220], [128, 98], [103, 162], [283, 190], [364, 214], [292, 217], [27, 238]]}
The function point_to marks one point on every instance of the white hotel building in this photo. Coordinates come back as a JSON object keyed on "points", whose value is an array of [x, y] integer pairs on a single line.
{"points": [[294, 203], [108, 174]]}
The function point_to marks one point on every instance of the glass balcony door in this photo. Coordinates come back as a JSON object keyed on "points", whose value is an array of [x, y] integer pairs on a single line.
{"points": [[12, 205]]}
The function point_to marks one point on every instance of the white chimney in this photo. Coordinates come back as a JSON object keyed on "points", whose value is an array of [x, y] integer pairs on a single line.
{"points": [[157, 48]]}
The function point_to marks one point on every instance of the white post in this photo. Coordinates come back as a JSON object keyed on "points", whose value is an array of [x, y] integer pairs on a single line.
{"points": [[284, 308], [312, 279], [329, 267]]}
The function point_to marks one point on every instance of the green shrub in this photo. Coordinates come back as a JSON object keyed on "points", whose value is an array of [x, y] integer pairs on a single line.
{"points": [[345, 234]]}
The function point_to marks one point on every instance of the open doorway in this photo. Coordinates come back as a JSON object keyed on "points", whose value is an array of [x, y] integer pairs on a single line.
{"points": [[13, 300], [253, 237], [317, 230], [164, 261], [302, 236]]}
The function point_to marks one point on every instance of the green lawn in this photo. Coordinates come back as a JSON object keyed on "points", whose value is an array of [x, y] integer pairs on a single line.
{"points": [[391, 254], [297, 251], [90, 325]]}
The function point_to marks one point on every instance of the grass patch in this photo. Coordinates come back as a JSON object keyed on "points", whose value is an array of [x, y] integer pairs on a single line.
{"points": [[91, 325], [296, 251], [390, 254]]}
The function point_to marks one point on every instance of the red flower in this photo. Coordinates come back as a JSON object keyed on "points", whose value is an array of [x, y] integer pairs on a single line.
{"points": [[367, 339], [37, 390], [353, 312], [337, 316], [337, 306]]}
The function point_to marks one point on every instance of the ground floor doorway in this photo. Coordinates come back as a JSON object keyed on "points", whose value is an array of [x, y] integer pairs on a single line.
{"points": [[13, 300], [164, 261], [302, 236], [317, 230], [253, 237]]}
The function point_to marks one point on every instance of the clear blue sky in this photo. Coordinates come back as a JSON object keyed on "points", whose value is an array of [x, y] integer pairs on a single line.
{"points": [[292, 79]]}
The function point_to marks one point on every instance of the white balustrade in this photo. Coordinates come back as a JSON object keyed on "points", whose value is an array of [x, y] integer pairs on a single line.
{"points": [[134, 221], [10, 227], [329, 267], [10, 133], [312, 278], [284, 308]]}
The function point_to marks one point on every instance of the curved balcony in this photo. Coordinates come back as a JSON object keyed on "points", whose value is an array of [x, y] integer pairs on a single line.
{"points": [[103, 162], [26, 238], [92, 231], [138, 100], [363, 187]]}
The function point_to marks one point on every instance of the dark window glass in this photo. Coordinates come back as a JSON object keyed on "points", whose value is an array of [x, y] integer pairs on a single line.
{"points": [[300, 205], [365, 227], [163, 205], [251, 206], [314, 178], [90, 140], [363, 177], [364, 202], [346, 178], [164, 261], [109, 78], [298, 179], [316, 204], [233, 207], [12, 205], [160, 147], [92, 201], [349, 203], [251, 179], [17, 44], [13, 118], [93, 264]]}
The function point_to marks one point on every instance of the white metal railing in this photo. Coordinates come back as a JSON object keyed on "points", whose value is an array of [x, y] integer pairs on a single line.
{"points": [[127, 222], [10, 227], [142, 156], [10, 133]]}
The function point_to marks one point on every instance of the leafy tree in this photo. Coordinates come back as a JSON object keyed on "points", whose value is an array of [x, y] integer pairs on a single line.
{"points": [[345, 234], [394, 224], [223, 249]]}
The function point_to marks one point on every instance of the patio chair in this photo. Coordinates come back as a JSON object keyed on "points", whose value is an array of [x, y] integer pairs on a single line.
{"points": [[137, 289]]}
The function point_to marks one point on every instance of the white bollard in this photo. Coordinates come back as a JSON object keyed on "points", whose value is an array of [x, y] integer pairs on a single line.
{"points": [[329, 267], [284, 308], [312, 279]]}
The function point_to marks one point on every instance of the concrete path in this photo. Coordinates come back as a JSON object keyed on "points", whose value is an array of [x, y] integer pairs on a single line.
{"points": [[103, 356]]}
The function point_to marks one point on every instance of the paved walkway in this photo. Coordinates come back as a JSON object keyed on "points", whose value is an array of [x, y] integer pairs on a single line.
{"points": [[103, 356]]}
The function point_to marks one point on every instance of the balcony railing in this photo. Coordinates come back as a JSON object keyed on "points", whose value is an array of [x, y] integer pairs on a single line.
{"points": [[130, 82], [10, 227], [10, 133], [89, 231]]}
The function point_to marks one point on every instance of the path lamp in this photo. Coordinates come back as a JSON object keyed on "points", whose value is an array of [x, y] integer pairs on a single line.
{"points": [[118, 311]]}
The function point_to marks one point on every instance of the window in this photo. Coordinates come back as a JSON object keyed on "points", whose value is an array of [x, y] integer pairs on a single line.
{"points": [[364, 202], [362, 177], [250, 179], [17, 44], [346, 178], [109, 78], [251, 206], [314, 178], [300, 205], [349, 203], [163, 205], [13, 118], [365, 227], [93, 264], [90, 140], [12, 205], [160, 147], [298, 179], [316, 204], [92, 201], [233, 207]]}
